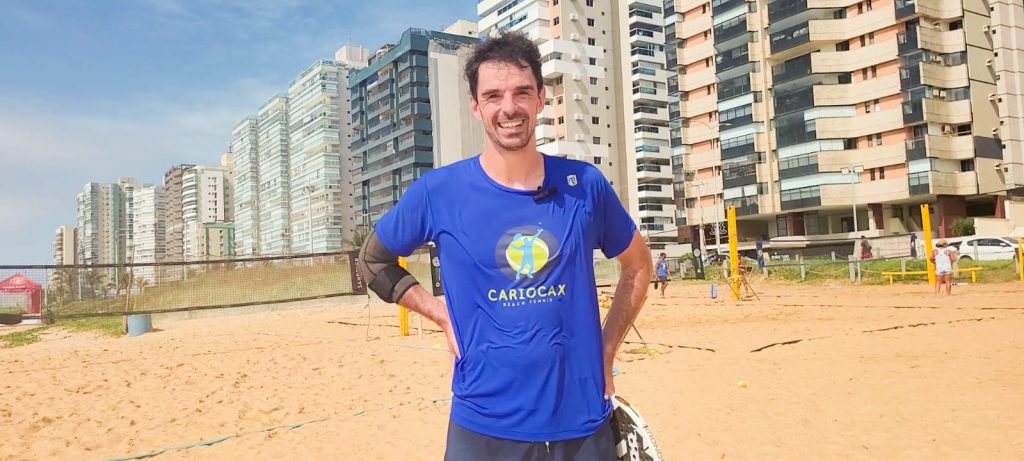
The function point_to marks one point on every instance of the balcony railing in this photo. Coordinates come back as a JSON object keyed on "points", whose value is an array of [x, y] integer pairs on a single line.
{"points": [[907, 41], [804, 197], [913, 111], [745, 206], [781, 9], [789, 38], [793, 69], [730, 29], [918, 183], [723, 6]]}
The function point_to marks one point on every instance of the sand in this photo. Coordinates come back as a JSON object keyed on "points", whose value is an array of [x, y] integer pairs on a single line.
{"points": [[864, 372]]}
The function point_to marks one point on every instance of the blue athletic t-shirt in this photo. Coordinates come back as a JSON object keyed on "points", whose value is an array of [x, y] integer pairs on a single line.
{"points": [[518, 277]]}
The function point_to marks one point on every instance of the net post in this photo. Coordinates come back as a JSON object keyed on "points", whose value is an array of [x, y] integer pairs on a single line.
{"points": [[1020, 258], [403, 313], [926, 224], [734, 259]]}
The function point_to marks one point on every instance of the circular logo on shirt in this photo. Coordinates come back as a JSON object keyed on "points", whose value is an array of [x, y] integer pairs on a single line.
{"points": [[524, 252]]}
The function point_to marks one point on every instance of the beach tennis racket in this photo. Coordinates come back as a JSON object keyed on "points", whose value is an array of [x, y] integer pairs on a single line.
{"points": [[633, 439]]}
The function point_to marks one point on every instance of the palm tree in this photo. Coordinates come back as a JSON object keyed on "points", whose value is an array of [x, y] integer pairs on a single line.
{"points": [[94, 280], [358, 238]]}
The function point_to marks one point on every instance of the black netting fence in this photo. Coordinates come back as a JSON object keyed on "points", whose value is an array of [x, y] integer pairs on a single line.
{"points": [[60, 292]]}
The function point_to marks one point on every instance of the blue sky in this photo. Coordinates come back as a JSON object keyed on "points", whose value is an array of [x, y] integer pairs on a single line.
{"points": [[94, 90]]}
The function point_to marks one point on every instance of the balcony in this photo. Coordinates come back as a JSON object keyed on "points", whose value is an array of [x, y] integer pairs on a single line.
{"points": [[947, 112], [916, 149], [791, 70], [853, 93], [731, 59], [723, 6], [694, 53], [791, 42], [546, 132], [936, 75], [693, 26], [861, 125], [695, 107], [804, 197], [950, 41], [648, 113], [655, 192], [654, 173], [953, 183], [837, 30], [950, 147], [733, 28], [698, 132], [703, 160], [938, 9], [739, 175], [739, 150], [918, 183], [782, 9], [870, 157], [879, 191], [699, 79], [829, 62], [913, 111]]}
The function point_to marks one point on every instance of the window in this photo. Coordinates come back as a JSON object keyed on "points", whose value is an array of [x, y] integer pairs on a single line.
{"points": [[862, 40], [593, 61], [597, 160], [590, 2], [867, 107], [878, 139], [872, 171], [863, 74], [871, 38], [593, 100], [556, 20], [592, 41], [869, 5], [597, 140], [593, 80], [595, 121], [561, 120], [781, 228], [590, 22], [874, 71], [878, 106], [881, 171]]}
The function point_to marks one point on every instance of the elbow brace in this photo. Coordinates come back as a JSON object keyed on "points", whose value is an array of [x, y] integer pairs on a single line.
{"points": [[381, 271]]}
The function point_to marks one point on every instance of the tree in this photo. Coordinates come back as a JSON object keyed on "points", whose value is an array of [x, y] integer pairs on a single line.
{"points": [[963, 227], [358, 238], [94, 280]]}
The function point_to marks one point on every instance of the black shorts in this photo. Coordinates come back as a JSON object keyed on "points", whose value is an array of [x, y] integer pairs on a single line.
{"points": [[466, 445], [662, 278]]}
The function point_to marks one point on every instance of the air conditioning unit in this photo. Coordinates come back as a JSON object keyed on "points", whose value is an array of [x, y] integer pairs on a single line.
{"points": [[942, 94], [986, 29], [577, 116], [988, 62], [935, 58], [579, 137], [991, 96], [577, 97], [995, 132], [574, 37], [947, 129], [935, 92], [576, 17]]}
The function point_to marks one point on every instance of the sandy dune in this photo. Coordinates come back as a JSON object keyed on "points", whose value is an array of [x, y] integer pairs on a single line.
{"points": [[832, 372]]}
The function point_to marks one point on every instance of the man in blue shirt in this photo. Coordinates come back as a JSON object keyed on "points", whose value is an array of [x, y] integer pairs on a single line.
{"points": [[661, 271], [516, 230]]}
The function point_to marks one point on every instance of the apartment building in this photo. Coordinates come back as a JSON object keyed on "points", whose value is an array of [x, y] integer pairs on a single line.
{"points": [[99, 224], [584, 113], [274, 177], [245, 175], [206, 198], [407, 95], [149, 238], [798, 111], [64, 244], [174, 227], [319, 133]]}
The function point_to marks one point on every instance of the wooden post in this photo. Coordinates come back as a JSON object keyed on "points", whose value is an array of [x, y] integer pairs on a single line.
{"points": [[803, 268], [926, 223]]}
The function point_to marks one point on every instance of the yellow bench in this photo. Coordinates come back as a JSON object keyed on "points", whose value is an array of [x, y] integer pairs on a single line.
{"points": [[972, 270]]}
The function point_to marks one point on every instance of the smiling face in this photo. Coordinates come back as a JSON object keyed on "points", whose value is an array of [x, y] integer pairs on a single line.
{"points": [[507, 102]]}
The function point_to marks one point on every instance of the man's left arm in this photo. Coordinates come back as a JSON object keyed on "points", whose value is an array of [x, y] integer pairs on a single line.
{"points": [[630, 294]]}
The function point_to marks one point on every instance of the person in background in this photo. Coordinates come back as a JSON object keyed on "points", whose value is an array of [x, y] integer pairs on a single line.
{"points": [[661, 271], [943, 257], [865, 248]]}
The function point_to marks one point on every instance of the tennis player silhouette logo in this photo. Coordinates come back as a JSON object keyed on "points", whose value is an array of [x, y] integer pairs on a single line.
{"points": [[527, 254]]}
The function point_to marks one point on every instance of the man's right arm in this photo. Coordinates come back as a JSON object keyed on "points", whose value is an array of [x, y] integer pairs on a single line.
{"points": [[394, 284]]}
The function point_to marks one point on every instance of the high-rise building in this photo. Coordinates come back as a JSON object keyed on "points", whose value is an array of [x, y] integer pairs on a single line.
{"points": [[149, 234], [319, 134], [245, 175], [274, 178], [645, 140], [797, 112], [581, 118], [125, 241], [99, 224], [174, 236], [64, 246], [205, 199], [408, 95]]}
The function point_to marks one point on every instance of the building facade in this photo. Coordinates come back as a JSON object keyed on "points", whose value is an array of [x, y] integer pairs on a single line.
{"points": [[245, 174], [274, 177], [64, 245], [99, 224], [150, 233], [397, 109], [798, 111], [205, 199], [319, 133], [174, 235]]}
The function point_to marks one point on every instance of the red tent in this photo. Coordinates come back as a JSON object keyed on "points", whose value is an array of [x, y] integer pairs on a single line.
{"points": [[18, 283]]}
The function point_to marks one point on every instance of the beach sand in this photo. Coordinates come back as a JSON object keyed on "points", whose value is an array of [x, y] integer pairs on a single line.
{"points": [[832, 371]]}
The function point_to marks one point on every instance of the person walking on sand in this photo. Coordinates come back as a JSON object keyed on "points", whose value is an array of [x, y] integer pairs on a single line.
{"points": [[532, 367], [661, 271], [943, 257]]}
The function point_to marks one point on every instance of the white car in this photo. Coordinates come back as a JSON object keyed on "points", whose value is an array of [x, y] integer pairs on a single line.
{"points": [[986, 248]]}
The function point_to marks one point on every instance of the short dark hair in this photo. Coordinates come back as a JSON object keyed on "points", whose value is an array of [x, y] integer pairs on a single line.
{"points": [[663, 254], [508, 47]]}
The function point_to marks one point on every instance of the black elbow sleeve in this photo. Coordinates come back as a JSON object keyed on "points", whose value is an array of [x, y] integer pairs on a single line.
{"points": [[381, 271]]}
